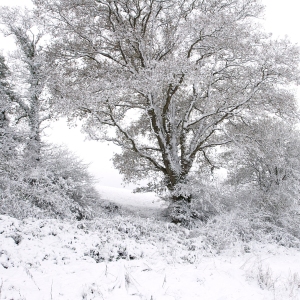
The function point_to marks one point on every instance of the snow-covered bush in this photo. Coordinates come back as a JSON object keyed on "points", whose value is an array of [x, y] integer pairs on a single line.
{"points": [[59, 185], [227, 215], [244, 225], [70, 177]]}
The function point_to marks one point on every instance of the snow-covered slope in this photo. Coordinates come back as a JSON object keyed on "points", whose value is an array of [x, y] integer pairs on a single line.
{"points": [[116, 257], [127, 197], [142, 204]]}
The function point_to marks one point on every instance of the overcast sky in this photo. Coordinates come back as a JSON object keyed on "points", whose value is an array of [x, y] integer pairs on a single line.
{"points": [[281, 18]]}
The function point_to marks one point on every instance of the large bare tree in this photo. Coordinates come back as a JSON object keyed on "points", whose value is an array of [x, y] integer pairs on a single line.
{"points": [[163, 78]]}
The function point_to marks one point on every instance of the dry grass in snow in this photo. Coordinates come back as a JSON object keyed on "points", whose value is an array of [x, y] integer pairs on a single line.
{"points": [[128, 257]]}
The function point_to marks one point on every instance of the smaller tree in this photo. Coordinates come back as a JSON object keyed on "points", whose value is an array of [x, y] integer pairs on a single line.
{"points": [[10, 139], [266, 158], [30, 75], [39, 180], [4, 90]]}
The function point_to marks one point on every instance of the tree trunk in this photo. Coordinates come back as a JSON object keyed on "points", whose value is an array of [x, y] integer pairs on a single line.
{"points": [[34, 143], [180, 202]]}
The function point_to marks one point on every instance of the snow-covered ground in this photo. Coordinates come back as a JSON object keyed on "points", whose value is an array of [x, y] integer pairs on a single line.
{"points": [[117, 257]]}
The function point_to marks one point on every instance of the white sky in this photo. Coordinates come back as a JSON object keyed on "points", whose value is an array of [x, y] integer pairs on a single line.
{"points": [[281, 18]]}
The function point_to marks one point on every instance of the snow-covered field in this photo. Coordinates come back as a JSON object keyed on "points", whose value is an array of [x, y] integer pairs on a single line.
{"points": [[133, 257]]}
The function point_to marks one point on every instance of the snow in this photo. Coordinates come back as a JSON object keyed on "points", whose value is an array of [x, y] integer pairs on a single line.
{"points": [[127, 197], [133, 257], [145, 204]]}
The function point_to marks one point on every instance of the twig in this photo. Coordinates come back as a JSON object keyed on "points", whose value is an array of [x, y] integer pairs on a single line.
{"points": [[30, 275], [51, 289]]}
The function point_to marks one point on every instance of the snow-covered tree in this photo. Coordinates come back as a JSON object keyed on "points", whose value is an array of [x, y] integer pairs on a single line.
{"points": [[5, 105], [266, 157], [4, 90], [9, 138], [35, 179], [30, 73], [163, 79]]}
